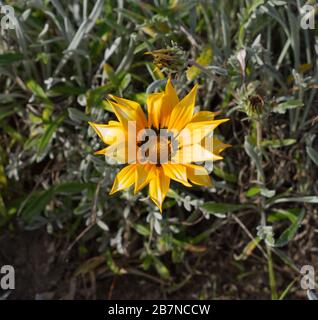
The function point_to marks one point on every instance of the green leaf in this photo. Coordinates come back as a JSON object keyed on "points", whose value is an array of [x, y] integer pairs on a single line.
{"points": [[112, 265], [141, 98], [281, 214], [77, 115], [287, 105], [313, 154], [38, 91], [267, 193], [64, 89], [95, 97], [253, 191], [36, 203], [47, 137], [72, 187], [11, 131], [89, 265], [125, 81], [306, 199], [141, 229], [278, 143], [146, 262], [220, 208], [3, 212], [204, 60], [219, 172], [42, 57], [285, 292], [3, 177], [161, 268], [295, 216], [8, 110], [206, 234], [11, 57], [254, 154], [286, 259]]}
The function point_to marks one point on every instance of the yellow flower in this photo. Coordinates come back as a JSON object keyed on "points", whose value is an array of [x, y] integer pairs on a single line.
{"points": [[164, 146]]}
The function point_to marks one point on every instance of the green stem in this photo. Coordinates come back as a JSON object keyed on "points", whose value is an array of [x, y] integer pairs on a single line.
{"points": [[271, 273], [260, 179]]}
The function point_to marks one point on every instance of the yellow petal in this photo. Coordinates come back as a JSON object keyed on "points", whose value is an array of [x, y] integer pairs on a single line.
{"points": [[160, 106], [176, 172], [154, 103], [182, 113], [194, 132], [125, 102], [144, 173], [109, 133], [171, 93], [114, 123], [126, 114], [117, 151], [103, 151], [170, 100], [203, 116], [194, 153], [214, 145], [158, 188], [140, 115], [124, 179], [198, 175]]}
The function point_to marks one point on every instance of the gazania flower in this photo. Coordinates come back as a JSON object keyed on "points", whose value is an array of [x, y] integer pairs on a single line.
{"points": [[163, 146]]}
